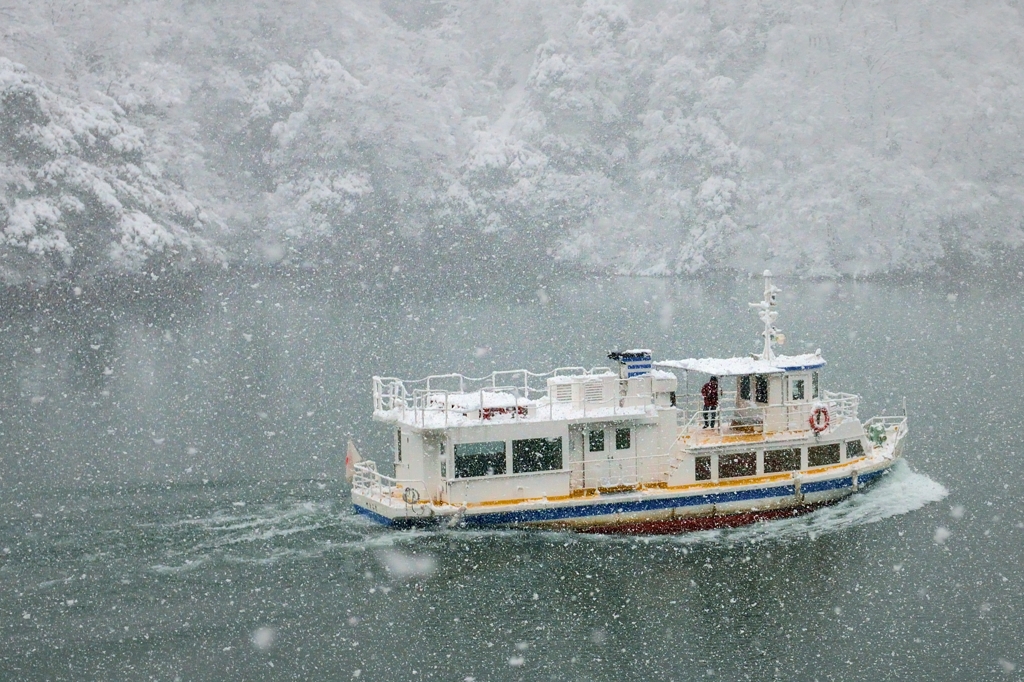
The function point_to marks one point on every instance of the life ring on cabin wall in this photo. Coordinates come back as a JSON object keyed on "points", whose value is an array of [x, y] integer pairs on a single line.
{"points": [[819, 419]]}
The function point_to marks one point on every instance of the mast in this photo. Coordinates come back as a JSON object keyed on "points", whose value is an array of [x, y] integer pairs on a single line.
{"points": [[765, 311]]}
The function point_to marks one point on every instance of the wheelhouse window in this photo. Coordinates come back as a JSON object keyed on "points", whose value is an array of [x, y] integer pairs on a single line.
{"points": [[536, 454], [744, 387], [398, 445], [738, 464], [854, 449], [597, 441], [702, 468], [623, 438], [822, 455], [479, 459], [787, 459], [761, 389], [814, 384], [796, 389]]}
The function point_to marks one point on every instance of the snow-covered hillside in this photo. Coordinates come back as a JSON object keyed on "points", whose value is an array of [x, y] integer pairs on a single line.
{"points": [[657, 137], [80, 194]]}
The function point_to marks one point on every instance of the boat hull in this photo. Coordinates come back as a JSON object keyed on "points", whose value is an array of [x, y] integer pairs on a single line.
{"points": [[652, 512]]}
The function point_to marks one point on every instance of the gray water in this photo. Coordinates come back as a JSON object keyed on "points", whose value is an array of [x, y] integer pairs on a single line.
{"points": [[173, 505]]}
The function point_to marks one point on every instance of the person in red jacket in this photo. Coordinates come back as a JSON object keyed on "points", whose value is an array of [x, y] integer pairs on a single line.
{"points": [[709, 392]]}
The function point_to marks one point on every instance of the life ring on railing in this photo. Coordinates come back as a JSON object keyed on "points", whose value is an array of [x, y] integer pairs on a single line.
{"points": [[411, 495], [819, 419]]}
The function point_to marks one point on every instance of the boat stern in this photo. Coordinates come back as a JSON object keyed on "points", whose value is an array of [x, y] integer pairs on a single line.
{"points": [[391, 502]]}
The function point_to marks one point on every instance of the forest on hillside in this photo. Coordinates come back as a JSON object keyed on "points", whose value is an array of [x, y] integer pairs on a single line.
{"points": [[651, 137]]}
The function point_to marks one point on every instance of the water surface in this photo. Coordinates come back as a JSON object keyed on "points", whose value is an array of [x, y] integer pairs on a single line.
{"points": [[173, 504]]}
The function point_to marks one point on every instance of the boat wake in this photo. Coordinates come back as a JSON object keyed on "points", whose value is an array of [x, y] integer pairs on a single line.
{"points": [[266, 534]]}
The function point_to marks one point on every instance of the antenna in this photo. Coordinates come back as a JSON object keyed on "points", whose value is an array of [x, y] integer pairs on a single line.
{"points": [[764, 310]]}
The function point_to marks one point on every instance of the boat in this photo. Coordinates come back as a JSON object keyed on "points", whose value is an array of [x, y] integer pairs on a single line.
{"points": [[632, 448]]}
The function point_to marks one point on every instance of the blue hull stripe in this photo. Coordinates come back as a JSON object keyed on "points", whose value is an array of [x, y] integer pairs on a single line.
{"points": [[373, 515], [561, 513], [577, 512]]}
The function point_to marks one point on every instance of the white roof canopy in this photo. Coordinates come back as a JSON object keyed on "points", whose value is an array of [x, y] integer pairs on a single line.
{"points": [[728, 367]]}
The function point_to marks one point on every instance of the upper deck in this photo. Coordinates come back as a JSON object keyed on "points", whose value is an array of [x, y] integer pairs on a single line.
{"points": [[564, 394]]}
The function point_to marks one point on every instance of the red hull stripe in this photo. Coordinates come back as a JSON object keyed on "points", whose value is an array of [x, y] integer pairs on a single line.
{"points": [[694, 523]]}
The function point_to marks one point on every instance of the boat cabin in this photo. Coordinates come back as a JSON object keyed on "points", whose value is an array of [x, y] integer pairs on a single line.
{"points": [[520, 435]]}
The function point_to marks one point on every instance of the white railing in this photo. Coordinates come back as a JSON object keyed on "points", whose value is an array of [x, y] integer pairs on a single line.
{"points": [[392, 392], [631, 472], [841, 406], [370, 482], [514, 393], [880, 429], [728, 420], [887, 422], [745, 420]]}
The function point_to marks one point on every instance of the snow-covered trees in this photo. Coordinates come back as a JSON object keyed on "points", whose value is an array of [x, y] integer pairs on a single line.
{"points": [[657, 138], [79, 194]]}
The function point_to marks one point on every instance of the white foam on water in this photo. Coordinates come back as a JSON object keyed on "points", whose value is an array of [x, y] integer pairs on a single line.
{"points": [[228, 534]]}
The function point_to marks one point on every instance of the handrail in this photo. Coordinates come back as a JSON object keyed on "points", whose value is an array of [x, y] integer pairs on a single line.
{"points": [[886, 422], [392, 392], [440, 395], [635, 474], [372, 483], [842, 406]]}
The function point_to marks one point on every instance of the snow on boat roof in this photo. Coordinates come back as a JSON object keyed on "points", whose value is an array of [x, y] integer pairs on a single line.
{"points": [[739, 366]]}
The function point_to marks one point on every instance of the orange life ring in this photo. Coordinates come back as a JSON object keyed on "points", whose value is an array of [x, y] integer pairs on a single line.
{"points": [[819, 419]]}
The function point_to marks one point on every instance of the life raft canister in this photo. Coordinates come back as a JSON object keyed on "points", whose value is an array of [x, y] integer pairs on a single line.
{"points": [[819, 419]]}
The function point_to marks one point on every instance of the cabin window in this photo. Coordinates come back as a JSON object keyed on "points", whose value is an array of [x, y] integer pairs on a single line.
{"points": [[398, 445], [444, 469], [821, 455], [814, 384], [739, 464], [479, 459], [536, 454], [796, 389], [781, 460], [854, 449], [597, 441], [702, 468], [622, 439], [761, 388], [745, 387]]}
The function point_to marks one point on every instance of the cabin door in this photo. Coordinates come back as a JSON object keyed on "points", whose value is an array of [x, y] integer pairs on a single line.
{"points": [[609, 457], [595, 458], [623, 469]]}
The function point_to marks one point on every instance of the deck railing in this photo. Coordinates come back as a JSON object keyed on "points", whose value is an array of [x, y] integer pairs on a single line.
{"points": [[372, 483], [624, 473], [841, 406], [728, 420], [732, 420], [508, 393]]}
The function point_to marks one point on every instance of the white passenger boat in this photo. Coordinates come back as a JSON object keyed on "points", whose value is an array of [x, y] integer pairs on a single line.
{"points": [[623, 449]]}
